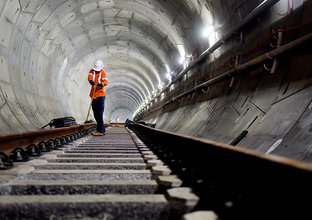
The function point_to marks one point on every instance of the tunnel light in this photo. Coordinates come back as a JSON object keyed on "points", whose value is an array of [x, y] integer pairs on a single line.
{"points": [[168, 75], [182, 59], [167, 68], [209, 30]]}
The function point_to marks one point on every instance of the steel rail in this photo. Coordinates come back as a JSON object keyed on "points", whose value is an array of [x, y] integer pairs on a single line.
{"points": [[8, 143], [234, 182]]}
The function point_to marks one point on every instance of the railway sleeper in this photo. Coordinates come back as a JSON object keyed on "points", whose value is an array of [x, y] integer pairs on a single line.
{"points": [[94, 178]]}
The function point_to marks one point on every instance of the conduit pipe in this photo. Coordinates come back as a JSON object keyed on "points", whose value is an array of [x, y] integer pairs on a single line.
{"points": [[239, 68], [260, 8]]}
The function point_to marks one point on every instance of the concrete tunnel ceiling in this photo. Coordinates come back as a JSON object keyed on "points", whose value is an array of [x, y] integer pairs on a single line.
{"points": [[51, 46]]}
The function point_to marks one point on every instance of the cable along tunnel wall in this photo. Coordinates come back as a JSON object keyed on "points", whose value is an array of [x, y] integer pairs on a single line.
{"points": [[237, 91], [48, 46]]}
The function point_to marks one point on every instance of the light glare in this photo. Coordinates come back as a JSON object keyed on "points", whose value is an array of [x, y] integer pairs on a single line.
{"points": [[168, 75], [208, 31], [160, 85], [182, 59]]}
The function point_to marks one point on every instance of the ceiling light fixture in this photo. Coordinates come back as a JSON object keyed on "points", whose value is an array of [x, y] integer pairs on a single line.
{"points": [[209, 30]]}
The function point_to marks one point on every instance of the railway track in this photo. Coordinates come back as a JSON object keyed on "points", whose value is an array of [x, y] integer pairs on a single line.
{"points": [[143, 173], [110, 177], [18, 147]]}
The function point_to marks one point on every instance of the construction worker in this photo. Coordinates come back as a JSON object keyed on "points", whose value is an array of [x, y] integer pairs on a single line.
{"points": [[98, 77]]}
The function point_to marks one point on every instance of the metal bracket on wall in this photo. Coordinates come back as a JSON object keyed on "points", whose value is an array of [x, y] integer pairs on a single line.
{"points": [[275, 60]]}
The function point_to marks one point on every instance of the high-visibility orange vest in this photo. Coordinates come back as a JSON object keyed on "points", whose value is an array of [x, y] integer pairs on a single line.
{"points": [[98, 77]]}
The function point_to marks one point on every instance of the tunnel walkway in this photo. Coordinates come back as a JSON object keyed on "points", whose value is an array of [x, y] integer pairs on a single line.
{"points": [[111, 177]]}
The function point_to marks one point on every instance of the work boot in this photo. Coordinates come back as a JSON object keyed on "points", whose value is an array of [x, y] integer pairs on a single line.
{"points": [[96, 133]]}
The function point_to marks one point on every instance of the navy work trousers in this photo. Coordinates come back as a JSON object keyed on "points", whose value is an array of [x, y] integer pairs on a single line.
{"points": [[98, 109]]}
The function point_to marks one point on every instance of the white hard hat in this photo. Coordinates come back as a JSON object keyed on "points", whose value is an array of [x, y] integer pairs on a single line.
{"points": [[98, 64]]}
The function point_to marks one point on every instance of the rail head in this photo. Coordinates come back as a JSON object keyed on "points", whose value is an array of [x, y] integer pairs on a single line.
{"points": [[9, 137], [22, 141], [296, 164]]}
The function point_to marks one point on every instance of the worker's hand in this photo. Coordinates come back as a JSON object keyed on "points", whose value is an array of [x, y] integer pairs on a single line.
{"points": [[92, 82], [100, 85]]}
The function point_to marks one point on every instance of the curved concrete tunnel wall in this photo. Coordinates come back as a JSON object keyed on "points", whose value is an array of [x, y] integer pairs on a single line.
{"points": [[48, 47]]}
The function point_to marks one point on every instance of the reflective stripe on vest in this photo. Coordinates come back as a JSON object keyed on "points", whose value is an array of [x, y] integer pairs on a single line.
{"points": [[99, 80]]}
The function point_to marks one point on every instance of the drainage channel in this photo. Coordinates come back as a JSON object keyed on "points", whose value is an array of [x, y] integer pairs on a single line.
{"points": [[109, 177]]}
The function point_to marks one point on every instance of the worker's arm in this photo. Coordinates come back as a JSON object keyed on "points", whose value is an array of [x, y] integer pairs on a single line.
{"points": [[91, 77]]}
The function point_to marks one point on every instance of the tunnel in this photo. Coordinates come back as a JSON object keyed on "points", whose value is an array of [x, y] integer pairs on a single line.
{"points": [[208, 109], [204, 68]]}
